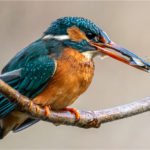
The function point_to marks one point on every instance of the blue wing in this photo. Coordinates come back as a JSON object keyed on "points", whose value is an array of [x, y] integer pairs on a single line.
{"points": [[29, 72]]}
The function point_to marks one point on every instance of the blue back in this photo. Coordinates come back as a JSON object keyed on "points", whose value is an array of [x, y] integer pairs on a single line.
{"points": [[37, 68]]}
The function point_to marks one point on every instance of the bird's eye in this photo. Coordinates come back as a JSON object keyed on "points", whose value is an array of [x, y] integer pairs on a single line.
{"points": [[90, 35], [94, 37]]}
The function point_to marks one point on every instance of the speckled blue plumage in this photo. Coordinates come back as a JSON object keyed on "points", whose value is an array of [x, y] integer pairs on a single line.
{"points": [[60, 26], [37, 69]]}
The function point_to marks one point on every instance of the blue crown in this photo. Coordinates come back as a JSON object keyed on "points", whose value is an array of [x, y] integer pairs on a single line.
{"points": [[61, 25]]}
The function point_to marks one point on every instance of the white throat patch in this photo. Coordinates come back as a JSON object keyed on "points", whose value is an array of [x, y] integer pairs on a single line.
{"points": [[91, 54]]}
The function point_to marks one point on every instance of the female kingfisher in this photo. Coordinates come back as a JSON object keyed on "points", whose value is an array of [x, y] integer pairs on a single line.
{"points": [[57, 68]]}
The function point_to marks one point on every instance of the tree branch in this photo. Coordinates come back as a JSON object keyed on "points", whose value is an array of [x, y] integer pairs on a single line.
{"points": [[88, 119]]}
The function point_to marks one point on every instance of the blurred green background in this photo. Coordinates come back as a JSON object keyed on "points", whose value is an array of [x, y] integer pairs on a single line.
{"points": [[114, 83]]}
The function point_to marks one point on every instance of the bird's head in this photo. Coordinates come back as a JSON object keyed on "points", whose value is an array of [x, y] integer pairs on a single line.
{"points": [[90, 40]]}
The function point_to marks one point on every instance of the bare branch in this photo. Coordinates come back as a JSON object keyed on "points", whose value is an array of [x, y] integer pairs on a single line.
{"points": [[88, 119]]}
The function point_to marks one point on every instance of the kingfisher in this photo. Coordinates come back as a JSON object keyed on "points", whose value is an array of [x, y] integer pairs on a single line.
{"points": [[57, 68]]}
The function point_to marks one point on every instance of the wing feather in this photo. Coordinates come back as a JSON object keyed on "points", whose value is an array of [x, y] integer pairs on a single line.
{"points": [[29, 72]]}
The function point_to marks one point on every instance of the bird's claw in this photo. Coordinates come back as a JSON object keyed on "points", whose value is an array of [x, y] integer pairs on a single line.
{"points": [[47, 110], [73, 110]]}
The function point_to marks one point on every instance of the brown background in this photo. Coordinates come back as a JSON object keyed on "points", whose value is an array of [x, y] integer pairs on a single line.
{"points": [[128, 24]]}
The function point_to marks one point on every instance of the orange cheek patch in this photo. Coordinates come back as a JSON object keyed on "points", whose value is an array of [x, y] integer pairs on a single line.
{"points": [[76, 34]]}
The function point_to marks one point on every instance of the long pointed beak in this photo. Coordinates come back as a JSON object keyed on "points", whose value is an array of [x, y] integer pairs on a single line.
{"points": [[119, 53]]}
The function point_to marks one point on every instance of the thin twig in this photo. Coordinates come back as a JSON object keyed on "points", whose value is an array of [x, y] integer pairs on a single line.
{"points": [[88, 119]]}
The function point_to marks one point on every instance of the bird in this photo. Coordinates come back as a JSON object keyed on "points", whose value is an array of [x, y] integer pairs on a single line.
{"points": [[57, 68]]}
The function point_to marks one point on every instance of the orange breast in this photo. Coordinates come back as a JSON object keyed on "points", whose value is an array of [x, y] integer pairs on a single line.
{"points": [[73, 75]]}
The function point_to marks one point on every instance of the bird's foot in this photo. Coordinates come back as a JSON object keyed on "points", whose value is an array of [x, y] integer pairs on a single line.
{"points": [[47, 110], [73, 110]]}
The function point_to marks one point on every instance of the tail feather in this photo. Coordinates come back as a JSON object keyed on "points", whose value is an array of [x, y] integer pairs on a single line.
{"points": [[27, 123]]}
